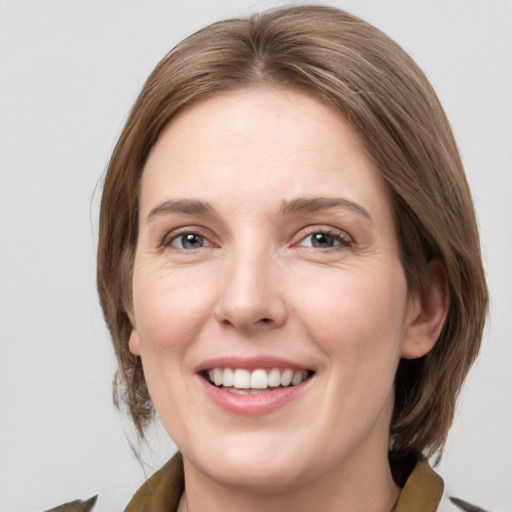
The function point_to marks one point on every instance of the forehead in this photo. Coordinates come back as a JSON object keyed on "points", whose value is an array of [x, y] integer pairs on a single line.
{"points": [[261, 142]]}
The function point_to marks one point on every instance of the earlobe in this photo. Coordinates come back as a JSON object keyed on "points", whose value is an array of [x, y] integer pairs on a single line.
{"points": [[429, 314], [134, 343]]}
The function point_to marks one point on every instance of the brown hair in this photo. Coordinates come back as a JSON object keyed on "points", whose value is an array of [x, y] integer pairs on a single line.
{"points": [[383, 94]]}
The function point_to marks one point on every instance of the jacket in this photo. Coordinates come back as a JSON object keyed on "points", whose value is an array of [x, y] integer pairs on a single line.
{"points": [[422, 492]]}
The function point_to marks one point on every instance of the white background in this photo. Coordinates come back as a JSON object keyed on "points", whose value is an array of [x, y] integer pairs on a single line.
{"points": [[69, 72]]}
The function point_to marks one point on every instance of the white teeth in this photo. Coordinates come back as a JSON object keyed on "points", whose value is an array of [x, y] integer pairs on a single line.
{"points": [[274, 378], [227, 379], [259, 379], [239, 378], [217, 376], [298, 377], [236, 391], [286, 377]]}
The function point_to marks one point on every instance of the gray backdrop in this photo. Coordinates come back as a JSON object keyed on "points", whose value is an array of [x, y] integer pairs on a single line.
{"points": [[69, 72]]}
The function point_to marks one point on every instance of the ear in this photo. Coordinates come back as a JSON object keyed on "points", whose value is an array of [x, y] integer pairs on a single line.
{"points": [[427, 313], [133, 340], [134, 343]]}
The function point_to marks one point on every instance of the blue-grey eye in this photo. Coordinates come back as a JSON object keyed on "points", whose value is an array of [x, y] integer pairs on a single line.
{"points": [[320, 241], [188, 241], [323, 240]]}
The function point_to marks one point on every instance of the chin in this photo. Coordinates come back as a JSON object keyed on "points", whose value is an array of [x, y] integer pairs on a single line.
{"points": [[264, 478], [258, 466]]}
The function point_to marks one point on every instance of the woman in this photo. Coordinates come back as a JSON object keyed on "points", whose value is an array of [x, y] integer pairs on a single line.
{"points": [[274, 273]]}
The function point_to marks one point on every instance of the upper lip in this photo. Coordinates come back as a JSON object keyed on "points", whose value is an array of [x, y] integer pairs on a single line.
{"points": [[250, 363]]}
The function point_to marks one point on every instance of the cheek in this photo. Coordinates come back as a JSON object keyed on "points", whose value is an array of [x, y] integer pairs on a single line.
{"points": [[358, 319], [169, 310], [169, 313]]}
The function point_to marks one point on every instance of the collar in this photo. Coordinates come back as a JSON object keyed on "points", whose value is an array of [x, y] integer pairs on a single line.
{"points": [[423, 490], [162, 492]]}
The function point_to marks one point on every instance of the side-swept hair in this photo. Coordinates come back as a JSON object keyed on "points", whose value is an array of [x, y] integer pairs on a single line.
{"points": [[381, 92]]}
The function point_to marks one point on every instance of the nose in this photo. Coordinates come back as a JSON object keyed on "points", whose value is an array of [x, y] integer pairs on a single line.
{"points": [[250, 294]]}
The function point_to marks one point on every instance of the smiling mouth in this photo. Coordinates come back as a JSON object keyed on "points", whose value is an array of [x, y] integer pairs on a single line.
{"points": [[246, 382]]}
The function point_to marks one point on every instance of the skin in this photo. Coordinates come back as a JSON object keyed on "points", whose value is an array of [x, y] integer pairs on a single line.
{"points": [[255, 284]]}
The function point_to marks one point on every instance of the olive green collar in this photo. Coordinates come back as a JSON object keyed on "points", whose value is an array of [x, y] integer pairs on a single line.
{"points": [[162, 492], [422, 491]]}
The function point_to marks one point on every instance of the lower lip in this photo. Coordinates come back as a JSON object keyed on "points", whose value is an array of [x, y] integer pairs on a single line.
{"points": [[252, 405]]}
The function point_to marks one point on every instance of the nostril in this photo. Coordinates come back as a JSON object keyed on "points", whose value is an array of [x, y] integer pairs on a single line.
{"points": [[265, 320]]}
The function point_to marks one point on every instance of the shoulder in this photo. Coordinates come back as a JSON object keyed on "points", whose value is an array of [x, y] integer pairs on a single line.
{"points": [[111, 499], [425, 490], [163, 491], [76, 506], [452, 504]]}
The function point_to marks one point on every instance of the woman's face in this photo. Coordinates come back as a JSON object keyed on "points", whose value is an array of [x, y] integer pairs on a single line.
{"points": [[267, 252]]}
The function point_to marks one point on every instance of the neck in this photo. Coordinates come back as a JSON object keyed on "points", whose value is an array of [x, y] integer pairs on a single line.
{"points": [[357, 486]]}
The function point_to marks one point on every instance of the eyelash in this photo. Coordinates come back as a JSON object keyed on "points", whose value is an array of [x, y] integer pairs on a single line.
{"points": [[340, 238], [343, 239], [173, 236]]}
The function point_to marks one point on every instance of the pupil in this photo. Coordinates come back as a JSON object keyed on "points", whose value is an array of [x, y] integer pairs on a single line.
{"points": [[191, 241], [322, 240]]}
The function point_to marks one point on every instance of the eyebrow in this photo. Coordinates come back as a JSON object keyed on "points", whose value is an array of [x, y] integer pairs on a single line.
{"points": [[297, 206], [311, 204], [191, 206]]}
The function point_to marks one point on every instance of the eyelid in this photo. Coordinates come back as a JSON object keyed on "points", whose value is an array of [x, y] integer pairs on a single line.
{"points": [[344, 238], [172, 235]]}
